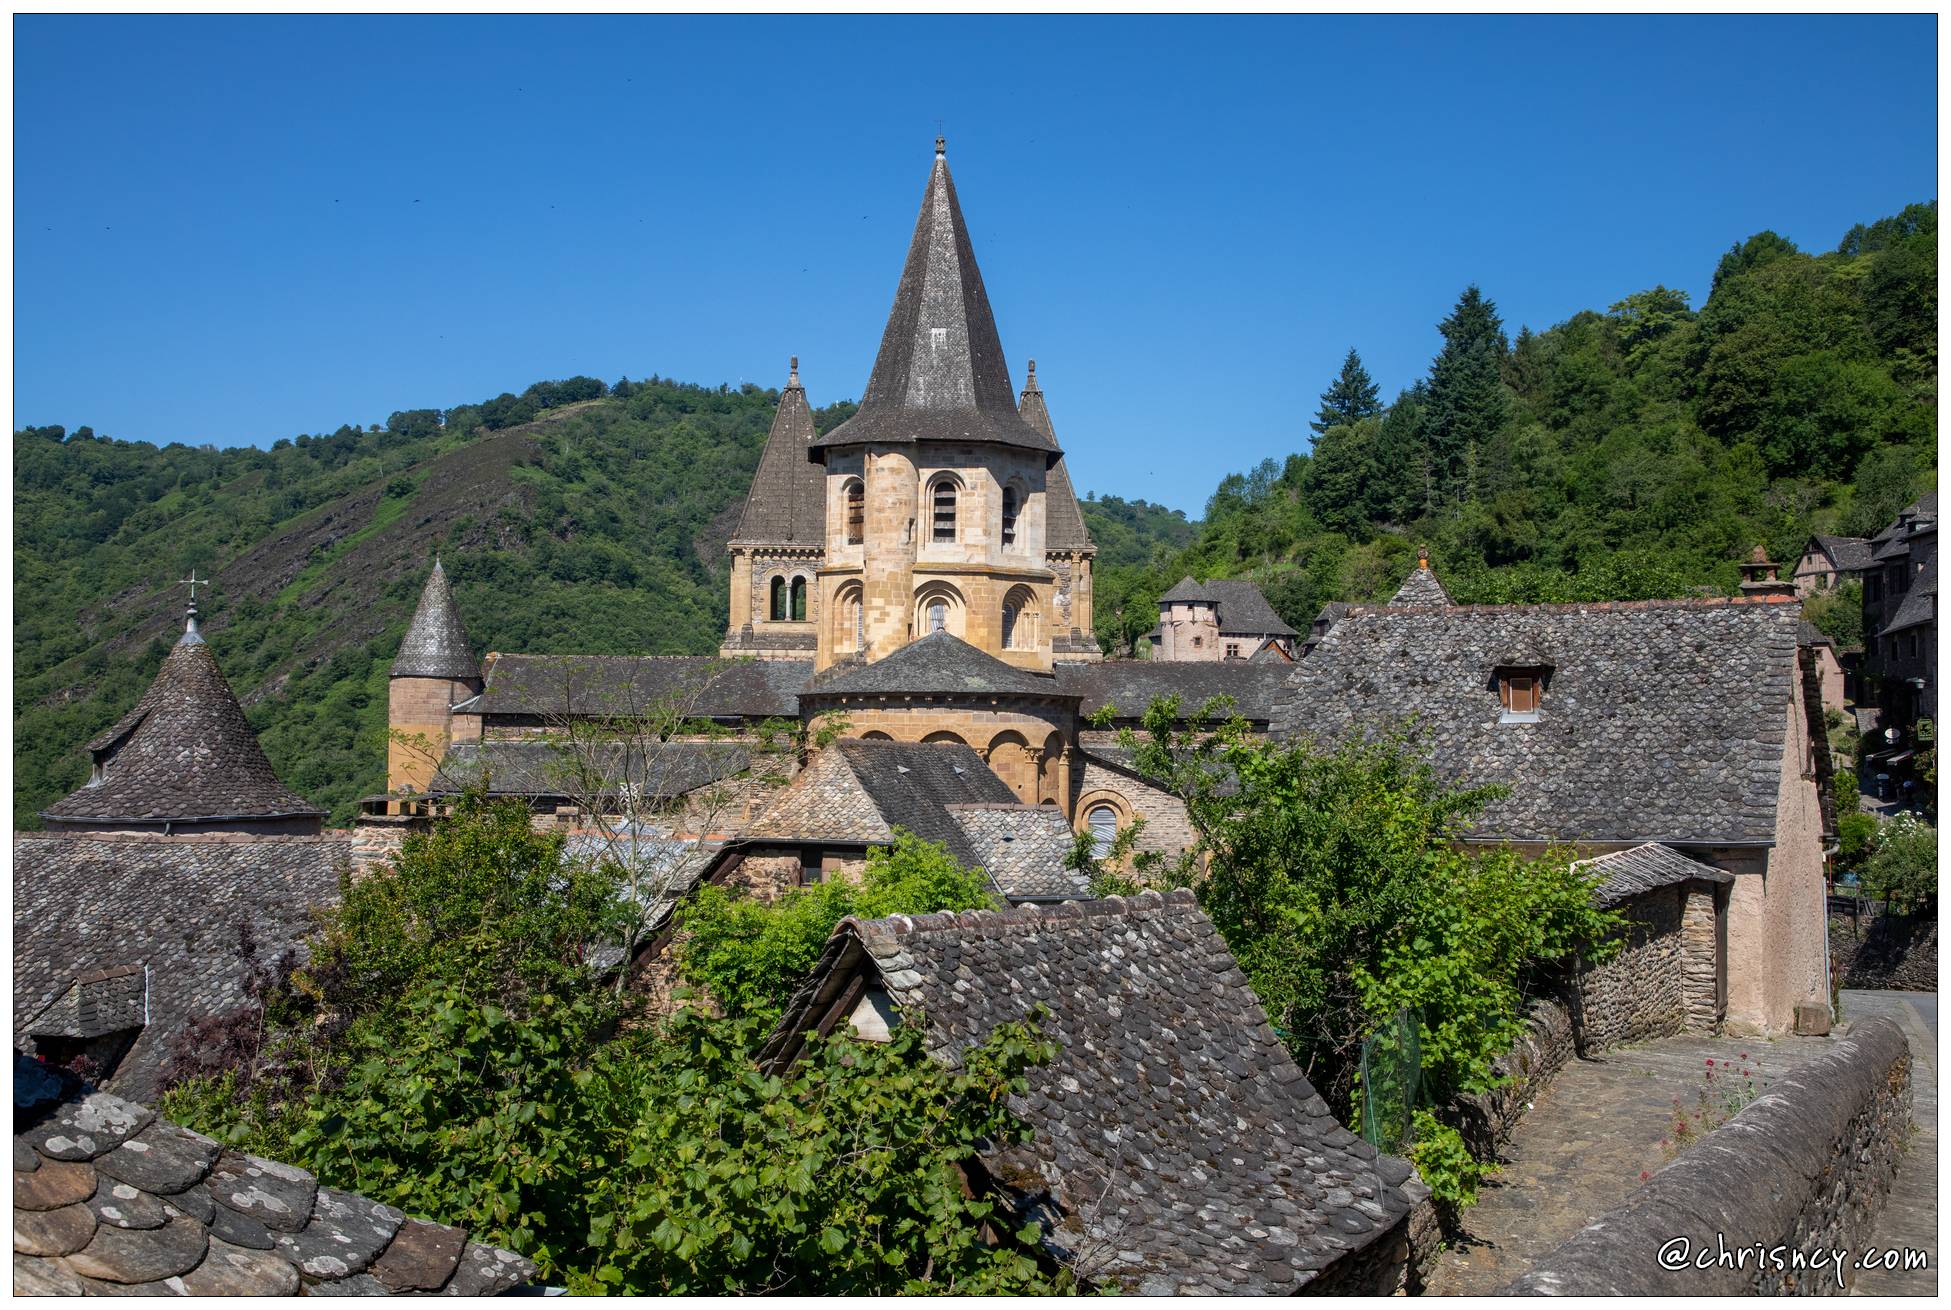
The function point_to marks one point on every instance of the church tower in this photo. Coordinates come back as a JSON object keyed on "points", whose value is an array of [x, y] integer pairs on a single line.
{"points": [[435, 670], [1067, 545], [780, 541], [938, 492]]}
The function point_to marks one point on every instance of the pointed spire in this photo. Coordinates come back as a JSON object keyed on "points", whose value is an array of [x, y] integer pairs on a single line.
{"points": [[940, 374], [436, 645], [185, 756], [192, 634], [1063, 521], [786, 505]]}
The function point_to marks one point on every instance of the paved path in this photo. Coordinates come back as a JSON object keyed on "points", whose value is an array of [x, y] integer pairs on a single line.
{"points": [[1582, 1147], [1909, 1218]]}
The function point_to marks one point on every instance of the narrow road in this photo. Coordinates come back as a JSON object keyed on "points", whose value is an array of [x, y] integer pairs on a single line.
{"points": [[1909, 1218]]}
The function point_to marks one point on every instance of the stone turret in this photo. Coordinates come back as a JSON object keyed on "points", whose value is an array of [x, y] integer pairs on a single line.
{"points": [[1188, 624], [435, 670], [1067, 546], [780, 541], [938, 489], [183, 760]]}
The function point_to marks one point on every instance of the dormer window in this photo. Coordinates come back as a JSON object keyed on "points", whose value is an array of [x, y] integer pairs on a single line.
{"points": [[1520, 690]]}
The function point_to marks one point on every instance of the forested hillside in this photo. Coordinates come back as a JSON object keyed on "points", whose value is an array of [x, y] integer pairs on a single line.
{"points": [[1632, 453], [1628, 453]]}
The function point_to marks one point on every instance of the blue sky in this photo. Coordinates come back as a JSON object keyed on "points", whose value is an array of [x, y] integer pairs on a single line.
{"points": [[234, 230]]}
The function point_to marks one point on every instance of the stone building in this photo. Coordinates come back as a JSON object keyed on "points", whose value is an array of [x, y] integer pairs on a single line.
{"points": [[434, 671], [1829, 561], [132, 909], [1693, 724], [1225, 619], [1178, 1148], [1899, 666]]}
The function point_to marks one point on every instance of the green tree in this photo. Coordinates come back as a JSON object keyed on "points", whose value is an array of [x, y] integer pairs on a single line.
{"points": [[1468, 401], [1339, 485], [1903, 867], [1350, 398]]}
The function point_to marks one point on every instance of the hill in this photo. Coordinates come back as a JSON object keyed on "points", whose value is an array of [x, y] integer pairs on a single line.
{"points": [[1630, 453], [574, 517]]}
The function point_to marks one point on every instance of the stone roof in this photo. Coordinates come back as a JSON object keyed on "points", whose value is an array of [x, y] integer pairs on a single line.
{"points": [[1848, 554], [1242, 607], [1421, 588], [786, 505], [1132, 685], [1178, 1148], [186, 753], [1063, 521], [1661, 720], [857, 792], [548, 686], [1022, 848], [1186, 590], [1920, 601], [940, 374], [1808, 634], [86, 905], [1644, 868], [939, 664], [436, 645], [110, 1200], [543, 768]]}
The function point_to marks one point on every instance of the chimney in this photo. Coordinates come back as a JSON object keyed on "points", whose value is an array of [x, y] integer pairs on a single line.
{"points": [[1761, 578]]}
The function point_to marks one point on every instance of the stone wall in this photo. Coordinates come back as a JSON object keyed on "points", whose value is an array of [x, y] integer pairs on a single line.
{"points": [[1546, 1042], [1875, 949], [1663, 982], [1804, 1169]]}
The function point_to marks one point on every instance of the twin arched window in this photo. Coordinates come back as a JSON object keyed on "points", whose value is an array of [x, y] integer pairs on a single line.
{"points": [[1012, 507], [788, 600]]}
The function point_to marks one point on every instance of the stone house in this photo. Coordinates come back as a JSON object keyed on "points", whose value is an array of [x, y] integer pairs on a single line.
{"points": [[1225, 619], [1899, 666], [1670, 976], [1829, 561], [131, 909], [1178, 1148], [1692, 724]]}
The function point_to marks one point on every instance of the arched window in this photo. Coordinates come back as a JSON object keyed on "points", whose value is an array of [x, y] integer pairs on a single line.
{"points": [[937, 615], [856, 513], [1020, 620], [1103, 822], [778, 610], [944, 504], [849, 620], [1009, 626], [1012, 504], [799, 599]]}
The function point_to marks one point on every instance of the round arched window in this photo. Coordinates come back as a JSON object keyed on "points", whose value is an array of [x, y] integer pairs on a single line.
{"points": [[1103, 822], [937, 615]]}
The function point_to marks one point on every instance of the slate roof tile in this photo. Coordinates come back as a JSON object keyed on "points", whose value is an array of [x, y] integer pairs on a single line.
{"points": [[1660, 721], [1644, 868], [127, 1239], [1063, 520], [436, 644], [531, 768], [1132, 685], [938, 664], [1022, 848], [1172, 1128], [171, 904], [786, 505], [1848, 554], [190, 754], [547, 686], [940, 374]]}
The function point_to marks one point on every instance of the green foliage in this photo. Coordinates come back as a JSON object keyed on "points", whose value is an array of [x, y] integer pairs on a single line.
{"points": [[1855, 836], [1445, 1164], [1350, 398], [1838, 614], [445, 1051], [1340, 881], [752, 955], [1903, 867]]}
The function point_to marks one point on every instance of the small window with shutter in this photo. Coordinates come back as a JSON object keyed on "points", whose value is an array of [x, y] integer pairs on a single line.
{"points": [[1520, 691]]}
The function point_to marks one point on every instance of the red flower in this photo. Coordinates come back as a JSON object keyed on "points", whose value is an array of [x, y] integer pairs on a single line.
{"points": [[1644, 1175], [1710, 1064]]}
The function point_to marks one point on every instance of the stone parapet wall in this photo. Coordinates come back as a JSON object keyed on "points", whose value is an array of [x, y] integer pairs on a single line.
{"points": [[1547, 1040], [1664, 981], [1878, 950], [1805, 1168]]}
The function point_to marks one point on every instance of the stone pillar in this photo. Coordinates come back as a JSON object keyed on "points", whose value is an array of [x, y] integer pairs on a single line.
{"points": [[888, 558], [741, 607], [1700, 960]]}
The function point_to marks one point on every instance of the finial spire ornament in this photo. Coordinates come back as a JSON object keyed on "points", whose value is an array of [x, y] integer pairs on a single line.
{"points": [[190, 631], [941, 147], [792, 378], [1422, 557]]}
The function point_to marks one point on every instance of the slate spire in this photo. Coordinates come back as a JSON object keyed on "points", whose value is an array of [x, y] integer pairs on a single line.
{"points": [[787, 503], [1063, 521], [436, 645], [940, 374], [1421, 586], [185, 757]]}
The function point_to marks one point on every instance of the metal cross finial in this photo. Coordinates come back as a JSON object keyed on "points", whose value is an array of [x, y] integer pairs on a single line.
{"points": [[194, 582]]}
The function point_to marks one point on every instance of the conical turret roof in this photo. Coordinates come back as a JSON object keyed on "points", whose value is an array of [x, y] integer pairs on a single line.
{"points": [[185, 754], [1063, 521], [436, 645], [787, 503], [1421, 586], [940, 374]]}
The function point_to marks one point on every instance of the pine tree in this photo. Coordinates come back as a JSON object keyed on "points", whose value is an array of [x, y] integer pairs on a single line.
{"points": [[1468, 401], [1350, 398]]}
